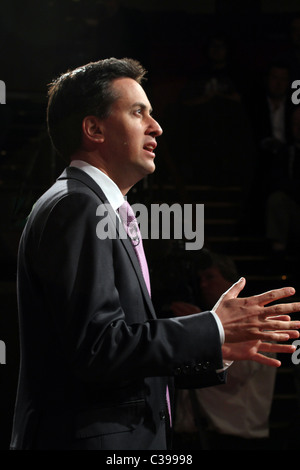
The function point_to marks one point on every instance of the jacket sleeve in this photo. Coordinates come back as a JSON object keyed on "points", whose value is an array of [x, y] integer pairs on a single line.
{"points": [[77, 276]]}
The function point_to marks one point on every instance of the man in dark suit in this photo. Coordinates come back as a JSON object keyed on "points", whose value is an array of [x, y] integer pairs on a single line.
{"points": [[96, 363]]}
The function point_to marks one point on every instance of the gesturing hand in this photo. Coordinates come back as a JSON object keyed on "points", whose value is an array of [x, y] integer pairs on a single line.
{"points": [[250, 350], [247, 319]]}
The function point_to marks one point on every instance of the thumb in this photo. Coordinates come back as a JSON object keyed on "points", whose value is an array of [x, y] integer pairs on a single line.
{"points": [[235, 289], [232, 292]]}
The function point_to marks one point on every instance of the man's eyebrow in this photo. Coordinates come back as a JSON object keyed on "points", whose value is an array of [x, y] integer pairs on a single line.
{"points": [[143, 106]]}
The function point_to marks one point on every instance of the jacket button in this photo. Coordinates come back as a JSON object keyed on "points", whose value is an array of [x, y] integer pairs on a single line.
{"points": [[162, 415]]}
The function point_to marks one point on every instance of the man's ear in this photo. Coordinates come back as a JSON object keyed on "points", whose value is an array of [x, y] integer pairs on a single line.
{"points": [[92, 129]]}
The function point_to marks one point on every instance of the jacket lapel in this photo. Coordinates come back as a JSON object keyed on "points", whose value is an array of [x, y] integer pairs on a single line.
{"points": [[79, 175]]}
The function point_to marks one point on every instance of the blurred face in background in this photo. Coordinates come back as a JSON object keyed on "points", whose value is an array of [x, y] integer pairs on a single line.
{"points": [[278, 82], [217, 52], [296, 126], [212, 285]]}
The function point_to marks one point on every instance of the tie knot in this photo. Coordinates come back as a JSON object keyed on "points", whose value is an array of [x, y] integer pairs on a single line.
{"points": [[126, 213]]}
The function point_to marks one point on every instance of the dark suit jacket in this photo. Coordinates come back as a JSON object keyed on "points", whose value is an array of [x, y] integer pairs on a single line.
{"points": [[94, 358], [261, 120]]}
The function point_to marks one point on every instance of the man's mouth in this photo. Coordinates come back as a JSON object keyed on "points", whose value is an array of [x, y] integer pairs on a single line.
{"points": [[150, 147]]}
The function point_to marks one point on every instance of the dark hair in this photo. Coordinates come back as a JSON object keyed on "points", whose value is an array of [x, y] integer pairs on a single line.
{"points": [[84, 91]]}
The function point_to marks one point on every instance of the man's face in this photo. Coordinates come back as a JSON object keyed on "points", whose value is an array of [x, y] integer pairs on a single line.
{"points": [[130, 134]]}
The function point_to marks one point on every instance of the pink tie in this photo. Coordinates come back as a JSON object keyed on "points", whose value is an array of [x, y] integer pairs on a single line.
{"points": [[131, 226], [132, 229]]}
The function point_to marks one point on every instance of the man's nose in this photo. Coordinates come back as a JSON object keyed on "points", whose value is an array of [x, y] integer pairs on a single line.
{"points": [[154, 128]]}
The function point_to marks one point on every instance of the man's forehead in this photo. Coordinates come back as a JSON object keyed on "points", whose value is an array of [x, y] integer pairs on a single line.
{"points": [[130, 90]]}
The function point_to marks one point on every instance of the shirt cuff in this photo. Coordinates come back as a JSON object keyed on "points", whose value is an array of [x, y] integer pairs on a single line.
{"points": [[220, 326], [226, 364]]}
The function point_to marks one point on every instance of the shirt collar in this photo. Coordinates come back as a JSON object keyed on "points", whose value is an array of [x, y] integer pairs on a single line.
{"points": [[108, 186]]}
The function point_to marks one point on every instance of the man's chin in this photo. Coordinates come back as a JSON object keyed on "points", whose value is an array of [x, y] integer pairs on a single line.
{"points": [[149, 169], [144, 171], [153, 168]]}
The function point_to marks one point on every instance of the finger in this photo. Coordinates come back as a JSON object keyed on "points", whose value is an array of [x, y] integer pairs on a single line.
{"points": [[281, 309], [273, 295], [268, 361], [276, 336], [293, 334], [279, 317], [277, 348], [275, 324]]}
